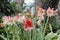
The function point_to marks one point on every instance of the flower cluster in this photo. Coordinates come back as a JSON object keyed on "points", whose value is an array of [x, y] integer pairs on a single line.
{"points": [[26, 21], [41, 13]]}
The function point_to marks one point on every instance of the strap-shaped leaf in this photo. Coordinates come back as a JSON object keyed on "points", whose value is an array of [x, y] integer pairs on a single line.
{"points": [[3, 37]]}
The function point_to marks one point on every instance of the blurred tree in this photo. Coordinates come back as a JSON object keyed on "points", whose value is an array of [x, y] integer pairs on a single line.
{"points": [[6, 8], [50, 3], [19, 5]]}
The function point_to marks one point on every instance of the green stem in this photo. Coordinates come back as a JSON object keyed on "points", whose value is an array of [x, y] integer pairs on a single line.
{"points": [[17, 31], [34, 34], [41, 32], [7, 33], [13, 36], [45, 26], [30, 35], [17, 35], [50, 26], [7, 36], [13, 32]]}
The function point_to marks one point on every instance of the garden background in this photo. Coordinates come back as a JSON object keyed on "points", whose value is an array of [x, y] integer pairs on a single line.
{"points": [[16, 25]]}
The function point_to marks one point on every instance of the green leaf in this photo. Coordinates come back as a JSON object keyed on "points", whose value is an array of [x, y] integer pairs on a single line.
{"points": [[58, 31], [3, 37], [50, 36], [39, 34], [58, 37]]}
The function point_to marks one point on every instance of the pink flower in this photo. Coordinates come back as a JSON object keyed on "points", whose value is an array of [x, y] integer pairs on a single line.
{"points": [[51, 12], [41, 12], [8, 20], [11, 20], [20, 19], [5, 19], [16, 17], [56, 12]]}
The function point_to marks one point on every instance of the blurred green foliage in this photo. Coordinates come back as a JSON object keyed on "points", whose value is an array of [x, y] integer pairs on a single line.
{"points": [[6, 8]]}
